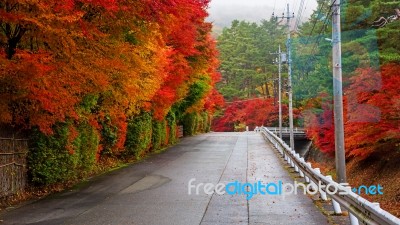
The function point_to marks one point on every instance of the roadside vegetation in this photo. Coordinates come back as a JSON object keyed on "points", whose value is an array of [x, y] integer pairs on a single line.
{"points": [[95, 84]]}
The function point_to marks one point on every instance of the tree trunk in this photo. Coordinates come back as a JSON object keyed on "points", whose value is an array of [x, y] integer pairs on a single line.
{"points": [[13, 41], [267, 89]]}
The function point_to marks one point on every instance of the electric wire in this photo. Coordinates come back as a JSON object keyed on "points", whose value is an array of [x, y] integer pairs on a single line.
{"points": [[299, 15], [312, 57]]}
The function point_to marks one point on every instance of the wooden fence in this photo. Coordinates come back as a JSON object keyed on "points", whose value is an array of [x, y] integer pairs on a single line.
{"points": [[179, 131], [13, 151]]}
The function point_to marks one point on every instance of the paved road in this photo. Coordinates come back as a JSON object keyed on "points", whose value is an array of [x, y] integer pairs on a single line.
{"points": [[156, 190]]}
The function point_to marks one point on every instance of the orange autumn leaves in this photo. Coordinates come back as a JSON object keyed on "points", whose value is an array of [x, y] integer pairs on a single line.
{"points": [[84, 60]]}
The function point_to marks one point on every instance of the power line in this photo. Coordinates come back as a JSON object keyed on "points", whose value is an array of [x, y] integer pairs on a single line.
{"points": [[322, 30], [299, 15], [315, 21], [305, 7], [320, 34]]}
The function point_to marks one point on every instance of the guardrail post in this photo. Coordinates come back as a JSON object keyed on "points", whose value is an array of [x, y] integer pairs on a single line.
{"points": [[322, 193], [296, 168], [353, 219], [307, 178], [336, 205], [290, 159], [280, 149], [313, 184], [291, 163], [301, 171]]}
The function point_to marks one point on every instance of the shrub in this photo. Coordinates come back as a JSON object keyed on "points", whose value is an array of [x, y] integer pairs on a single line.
{"points": [[86, 145], [206, 122], [56, 158], [171, 122], [189, 123], [199, 124], [48, 159], [241, 127], [159, 134], [139, 135], [109, 136]]}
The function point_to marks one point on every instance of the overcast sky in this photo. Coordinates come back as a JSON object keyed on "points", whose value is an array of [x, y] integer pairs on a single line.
{"points": [[222, 12], [255, 2]]}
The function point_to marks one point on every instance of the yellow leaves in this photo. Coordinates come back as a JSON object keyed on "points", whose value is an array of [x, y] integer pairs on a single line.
{"points": [[197, 107]]}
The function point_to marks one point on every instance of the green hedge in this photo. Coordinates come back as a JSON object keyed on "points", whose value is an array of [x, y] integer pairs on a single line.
{"points": [[52, 159], [171, 123], [189, 123], [159, 134], [87, 144], [195, 123], [139, 135], [109, 136], [200, 124], [205, 123], [50, 162]]}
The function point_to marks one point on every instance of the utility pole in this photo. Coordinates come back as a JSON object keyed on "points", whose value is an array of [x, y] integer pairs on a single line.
{"points": [[279, 61], [288, 17], [289, 61], [280, 91], [338, 93]]}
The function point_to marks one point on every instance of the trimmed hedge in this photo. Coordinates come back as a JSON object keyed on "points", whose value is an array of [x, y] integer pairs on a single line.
{"points": [[159, 134], [109, 136], [189, 123], [171, 122], [139, 135], [204, 123], [51, 160], [196, 123], [207, 122], [71, 151], [87, 144]]}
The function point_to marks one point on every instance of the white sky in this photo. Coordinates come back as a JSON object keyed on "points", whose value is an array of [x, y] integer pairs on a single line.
{"points": [[279, 4], [255, 10]]}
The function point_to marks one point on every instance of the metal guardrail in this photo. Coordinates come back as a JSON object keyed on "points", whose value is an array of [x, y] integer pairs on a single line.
{"points": [[286, 129], [298, 133], [361, 211]]}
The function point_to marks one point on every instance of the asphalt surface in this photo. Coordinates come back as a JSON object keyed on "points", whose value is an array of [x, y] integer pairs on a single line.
{"points": [[155, 191]]}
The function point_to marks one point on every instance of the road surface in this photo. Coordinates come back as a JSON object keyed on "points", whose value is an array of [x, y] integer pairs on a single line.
{"points": [[155, 191]]}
